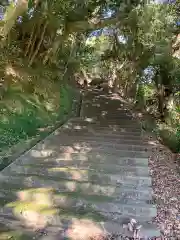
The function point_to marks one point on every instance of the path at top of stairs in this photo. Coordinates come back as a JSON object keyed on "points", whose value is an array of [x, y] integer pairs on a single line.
{"points": [[88, 176]]}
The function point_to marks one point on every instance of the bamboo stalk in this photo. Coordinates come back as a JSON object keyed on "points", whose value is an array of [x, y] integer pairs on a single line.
{"points": [[30, 41], [39, 44]]}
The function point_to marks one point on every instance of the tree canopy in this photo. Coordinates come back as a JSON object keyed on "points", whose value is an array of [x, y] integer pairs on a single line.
{"points": [[134, 46]]}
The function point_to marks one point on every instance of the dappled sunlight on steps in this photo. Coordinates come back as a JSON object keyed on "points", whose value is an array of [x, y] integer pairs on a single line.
{"points": [[87, 177]]}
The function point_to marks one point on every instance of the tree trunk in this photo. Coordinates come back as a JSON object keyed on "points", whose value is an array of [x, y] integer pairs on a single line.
{"points": [[30, 41], [161, 101], [39, 44]]}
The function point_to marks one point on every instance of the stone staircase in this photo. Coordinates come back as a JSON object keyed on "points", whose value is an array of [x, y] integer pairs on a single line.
{"points": [[88, 176]]}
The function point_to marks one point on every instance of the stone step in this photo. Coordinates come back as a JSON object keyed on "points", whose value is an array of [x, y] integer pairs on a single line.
{"points": [[147, 230], [14, 185], [57, 142], [103, 207], [56, 151], [120, 195], [82, 158], [61, 220], [119, 210], [95, 106], [102, 119], [87, 168], [93, 143], [80, 174], [108, 132], [37, 180], [108, 140], [100, 127], [104, 122], [91, 133], [82, 161], [103, 114], [111, 150], [74, 198], [113, 128], [12, 232]]}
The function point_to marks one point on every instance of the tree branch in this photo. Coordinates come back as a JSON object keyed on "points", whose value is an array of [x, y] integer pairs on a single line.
{"points": [[93, 24]]}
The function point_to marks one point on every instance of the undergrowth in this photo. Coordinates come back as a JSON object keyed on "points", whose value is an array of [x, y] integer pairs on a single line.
{"points": [[31, 101]]}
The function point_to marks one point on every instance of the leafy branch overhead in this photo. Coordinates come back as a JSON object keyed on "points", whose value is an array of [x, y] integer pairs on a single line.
{"points": [[132, 46]]}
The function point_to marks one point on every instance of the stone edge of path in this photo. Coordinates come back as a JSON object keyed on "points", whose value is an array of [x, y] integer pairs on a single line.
{"points": [[17, 150]]}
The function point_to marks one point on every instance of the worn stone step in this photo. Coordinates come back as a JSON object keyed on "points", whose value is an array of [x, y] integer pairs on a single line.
{"points": [[81, 158], [95, 106], [120, 195], [99, 147], [115, 211], [147, 230], [78, 148], [12, 231], [61, 220], [80, 174], [87, 168], [100, 139], [104, 206], [108, 132], [14, 185], [113, 128], [104, 122], [99, 106], [58, 181], [55, 151], [103, 114], [85, 162], [97, 144], [92, 133], [75, 198]]}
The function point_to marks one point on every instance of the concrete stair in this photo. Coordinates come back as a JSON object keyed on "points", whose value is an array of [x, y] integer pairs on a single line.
{"points": [[94, 168]]}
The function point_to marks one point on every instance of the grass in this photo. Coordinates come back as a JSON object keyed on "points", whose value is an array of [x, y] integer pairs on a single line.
{"points": [[30, 107]]}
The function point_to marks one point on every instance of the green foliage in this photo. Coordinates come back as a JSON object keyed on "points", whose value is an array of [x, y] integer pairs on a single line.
{"points": [[27, 110], [54, 33]]}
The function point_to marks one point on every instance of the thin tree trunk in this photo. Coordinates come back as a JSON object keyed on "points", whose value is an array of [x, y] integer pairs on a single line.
{"points": [[37, 33], [30, 41], [39, 44], [52, 51]]}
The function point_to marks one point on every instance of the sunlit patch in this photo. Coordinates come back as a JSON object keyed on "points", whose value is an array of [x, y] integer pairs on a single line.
{"points": [[65, 156], [78, 127], [11, 71], [139, 115], [89, 119], [96, 105], [81, 145], [42, 153], [154, 143], [39, 195], [104, 113], [74, 172], [115, 97], [71, 186], [45, 129], [113, 127], [68, 149], [34, 207], [83, 229], [123, 130]]}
